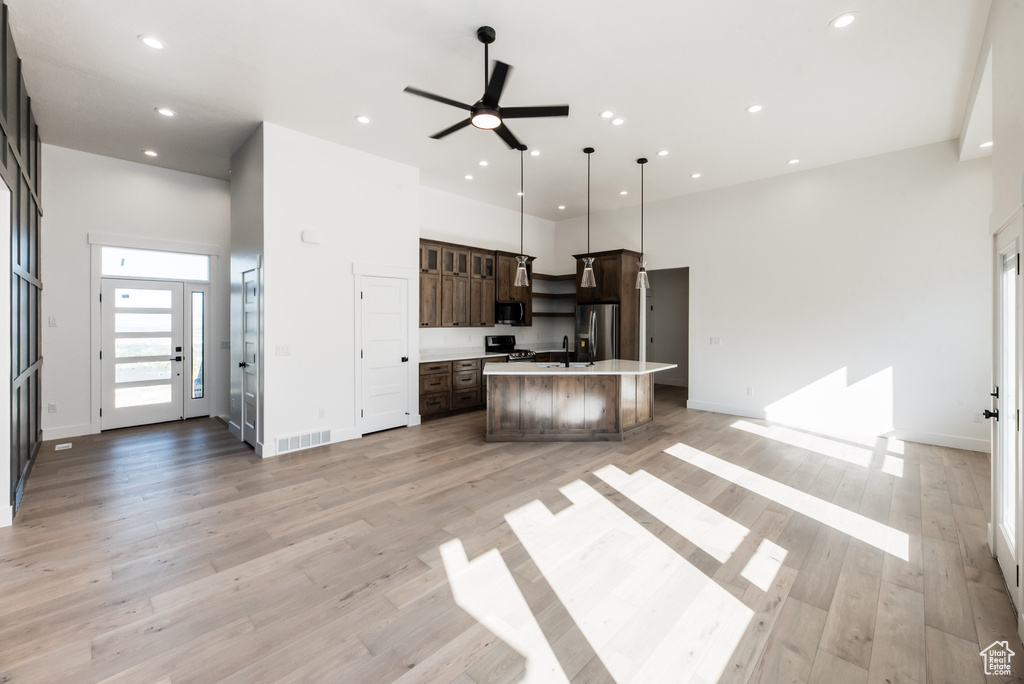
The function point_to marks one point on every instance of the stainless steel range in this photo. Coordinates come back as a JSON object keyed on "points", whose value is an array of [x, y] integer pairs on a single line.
{"points": [[506, 344]]}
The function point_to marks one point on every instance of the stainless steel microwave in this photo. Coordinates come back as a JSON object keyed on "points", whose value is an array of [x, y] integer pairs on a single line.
{"points": [[509, 313]]}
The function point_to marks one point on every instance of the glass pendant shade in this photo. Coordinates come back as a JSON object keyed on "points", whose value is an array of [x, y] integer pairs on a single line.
{"points": [[522, 279], [588, 273], [642, 283]]}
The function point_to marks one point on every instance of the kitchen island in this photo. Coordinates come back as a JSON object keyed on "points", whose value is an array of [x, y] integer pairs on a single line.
{"points": [[547, 402]]}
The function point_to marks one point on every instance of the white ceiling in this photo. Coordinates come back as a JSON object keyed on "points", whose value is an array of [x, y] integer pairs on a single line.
{"points": [[681, 72]]}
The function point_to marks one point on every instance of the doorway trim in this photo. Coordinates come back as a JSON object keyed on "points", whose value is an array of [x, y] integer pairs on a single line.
{"points": [[411, 276], [96, 243]]}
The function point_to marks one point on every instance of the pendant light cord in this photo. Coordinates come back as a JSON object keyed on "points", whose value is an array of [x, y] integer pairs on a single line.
{"points": [[522, 198], [588, 203], [641, 212]]}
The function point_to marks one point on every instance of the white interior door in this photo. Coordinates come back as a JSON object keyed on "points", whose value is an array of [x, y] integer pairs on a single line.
{"points": [[384, 353], [250, 357], [143, 356], [1006, 447]]}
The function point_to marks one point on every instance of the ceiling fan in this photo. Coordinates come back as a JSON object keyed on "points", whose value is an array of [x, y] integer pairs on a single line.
{"points": [[486, 113]]}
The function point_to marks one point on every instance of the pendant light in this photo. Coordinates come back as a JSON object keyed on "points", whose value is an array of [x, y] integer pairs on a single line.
{"points": [[522, 279], [588, 261], [642, 283]]}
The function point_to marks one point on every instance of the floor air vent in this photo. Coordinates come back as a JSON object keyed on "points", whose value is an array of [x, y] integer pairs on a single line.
{"points": [[304, 441]]}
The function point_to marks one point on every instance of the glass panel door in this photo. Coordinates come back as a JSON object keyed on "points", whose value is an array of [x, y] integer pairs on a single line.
{"points": [[142, 355], [1005, 447]]}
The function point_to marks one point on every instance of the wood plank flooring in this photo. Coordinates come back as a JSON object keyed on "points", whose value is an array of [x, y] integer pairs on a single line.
{"points": [[172, 554]]}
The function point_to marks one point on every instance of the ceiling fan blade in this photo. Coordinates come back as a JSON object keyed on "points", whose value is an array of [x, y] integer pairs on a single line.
{"points": [[507, 136], [496, 84], [438, 98], [451, 129], [524, 112]]}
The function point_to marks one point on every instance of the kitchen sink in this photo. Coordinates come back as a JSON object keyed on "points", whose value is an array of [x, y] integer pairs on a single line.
{"points": [[562, 365]]}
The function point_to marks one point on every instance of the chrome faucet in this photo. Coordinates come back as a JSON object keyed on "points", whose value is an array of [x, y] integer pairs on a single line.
{"points": [[565, 345]]}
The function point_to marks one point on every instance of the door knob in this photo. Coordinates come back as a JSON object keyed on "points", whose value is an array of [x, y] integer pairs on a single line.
{"points": [[991, 414], [405, 359], [176, 358], [243, 364]]}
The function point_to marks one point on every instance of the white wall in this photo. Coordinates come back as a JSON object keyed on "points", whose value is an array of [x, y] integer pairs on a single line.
{"points": [[668, 323], [451, 218], [876, 264], [1004, 31], [366, 210], [86, 193]]}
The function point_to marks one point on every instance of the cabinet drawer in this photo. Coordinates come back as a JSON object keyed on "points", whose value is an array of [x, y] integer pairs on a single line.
{"points": [[439, 367], [465, 379], [467, 398], [439, 382], [466, 364], [435, 403]]}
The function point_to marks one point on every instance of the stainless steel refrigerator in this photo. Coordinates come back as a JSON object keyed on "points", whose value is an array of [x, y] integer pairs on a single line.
{"points": [[597, 332]]}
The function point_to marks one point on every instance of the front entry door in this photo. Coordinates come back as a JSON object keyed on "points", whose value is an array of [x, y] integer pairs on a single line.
{"points": [[1006, 448], [143, 354], [384, 353]]}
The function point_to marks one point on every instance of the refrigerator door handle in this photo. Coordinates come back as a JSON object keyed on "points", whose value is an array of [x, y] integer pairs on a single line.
{"points": [[593, 335]]}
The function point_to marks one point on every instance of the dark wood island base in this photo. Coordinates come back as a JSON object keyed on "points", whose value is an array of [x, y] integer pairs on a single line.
{"points": [[567, 407]]}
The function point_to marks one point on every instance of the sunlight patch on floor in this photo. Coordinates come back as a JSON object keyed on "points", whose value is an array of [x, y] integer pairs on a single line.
{"points": [[820, 445], [485, 588], [648, 614], [880, 536], [715, 533]]}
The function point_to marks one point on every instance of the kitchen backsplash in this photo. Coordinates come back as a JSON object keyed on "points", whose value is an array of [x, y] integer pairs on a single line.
{"points": [[542, 330]]}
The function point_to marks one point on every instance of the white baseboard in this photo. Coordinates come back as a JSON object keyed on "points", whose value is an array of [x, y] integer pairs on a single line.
{"points": [[724, 408], [235, 429], [67, 431], [6, 516], [952, 441]]}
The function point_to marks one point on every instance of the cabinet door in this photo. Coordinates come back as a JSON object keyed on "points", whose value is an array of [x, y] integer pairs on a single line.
{"points": [[506, 277], [608, 272], [430, 300], [482, 265], [430, 257], [481, 303], [454, 301], [454, 261]]}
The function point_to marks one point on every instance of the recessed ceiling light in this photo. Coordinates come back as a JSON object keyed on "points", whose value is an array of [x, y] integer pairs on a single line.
{"points": [[754, 109], [793, 161], [165, 111], [986, 144], [843, 20], [623, 192], [695, 175], [618, 121], [561, 206], [468, 177], [483, 162], [663, 153], [363, 119], [149, 153], [607, 114], [150, 41], [535, 153]]}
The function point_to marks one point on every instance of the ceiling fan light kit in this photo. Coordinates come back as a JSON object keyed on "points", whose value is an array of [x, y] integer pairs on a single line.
{"points": [[487, 114]]}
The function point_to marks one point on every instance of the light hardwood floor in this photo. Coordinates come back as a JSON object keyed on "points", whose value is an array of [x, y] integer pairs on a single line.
{"points": [[708, 548]]}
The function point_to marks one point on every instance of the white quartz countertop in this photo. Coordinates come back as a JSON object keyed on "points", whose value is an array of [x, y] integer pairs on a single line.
{"points": [[434, 355], [610, 367]]}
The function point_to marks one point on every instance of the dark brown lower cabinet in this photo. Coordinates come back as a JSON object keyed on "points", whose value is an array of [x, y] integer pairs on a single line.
{"points": [[450, 386]]}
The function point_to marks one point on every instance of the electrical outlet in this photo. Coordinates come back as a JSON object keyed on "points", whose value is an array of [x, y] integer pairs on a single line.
{"points": [[750, 391], [979, 416], [323, 413], [51, 407], [716, 340], [53, 321], [283, 350]]}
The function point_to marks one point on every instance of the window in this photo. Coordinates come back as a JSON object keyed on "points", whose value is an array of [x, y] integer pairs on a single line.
{"points": [[141, 263]]}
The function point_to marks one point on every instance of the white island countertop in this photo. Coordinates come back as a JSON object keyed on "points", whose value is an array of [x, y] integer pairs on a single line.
{"points": [[610, 367]]}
